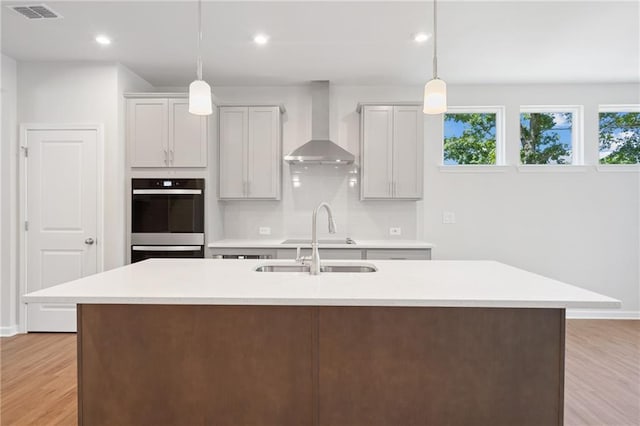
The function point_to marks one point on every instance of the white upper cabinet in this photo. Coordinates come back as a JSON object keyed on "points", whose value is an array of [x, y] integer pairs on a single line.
{"points": [[162, 133], [391, 149], [250, 152], [187, 135]]}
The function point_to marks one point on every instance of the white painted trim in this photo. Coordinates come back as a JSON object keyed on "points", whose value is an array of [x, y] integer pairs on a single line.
{"points": [[156, 95], [9, 331], [552, 168], [602, 314], [577, 128], [23, 214], [501, 131], [619, 108], [473, 168], [618, 168]]}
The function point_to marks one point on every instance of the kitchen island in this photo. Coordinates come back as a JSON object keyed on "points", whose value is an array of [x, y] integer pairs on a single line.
{"points": [[215, 342]]}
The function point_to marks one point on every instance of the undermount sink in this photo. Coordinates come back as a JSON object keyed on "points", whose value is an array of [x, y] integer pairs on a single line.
{"points": [[345, 268], [329, 241]]}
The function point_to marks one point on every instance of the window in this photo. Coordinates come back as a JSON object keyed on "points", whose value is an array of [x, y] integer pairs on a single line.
{"points": [[473, 136], [619, 131], [550, 135]]}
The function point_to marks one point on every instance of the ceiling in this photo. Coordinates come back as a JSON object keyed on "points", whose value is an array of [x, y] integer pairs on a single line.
{"points": [[359, 43]]}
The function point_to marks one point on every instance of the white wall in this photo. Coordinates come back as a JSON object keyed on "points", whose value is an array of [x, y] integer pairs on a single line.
{"points": [[291, 217], [86, 93], [8, 198], [581, 228]]}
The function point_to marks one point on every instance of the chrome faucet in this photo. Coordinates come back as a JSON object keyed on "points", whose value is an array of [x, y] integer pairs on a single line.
{"points": [[315, 255]]}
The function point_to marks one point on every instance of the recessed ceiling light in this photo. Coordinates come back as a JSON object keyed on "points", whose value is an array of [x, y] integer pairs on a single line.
{"points": [[421, 37], [103, 40], [261, 39]]}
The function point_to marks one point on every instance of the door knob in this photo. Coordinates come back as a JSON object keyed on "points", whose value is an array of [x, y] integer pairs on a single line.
{"points": [[89, 241]]}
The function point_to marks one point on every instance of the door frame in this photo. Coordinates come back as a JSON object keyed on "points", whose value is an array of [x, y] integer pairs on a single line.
{"points": [[22, 200]]}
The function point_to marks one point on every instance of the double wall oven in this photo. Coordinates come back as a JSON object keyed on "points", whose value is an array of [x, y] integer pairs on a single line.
{"points": [[167, 218]]}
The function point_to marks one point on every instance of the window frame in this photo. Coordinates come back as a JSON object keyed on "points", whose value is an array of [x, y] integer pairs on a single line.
{"points": [[615, 167], [577, 134], [501, 158]]}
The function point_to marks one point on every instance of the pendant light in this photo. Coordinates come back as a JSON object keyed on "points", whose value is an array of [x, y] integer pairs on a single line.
{"points": [[199, 90], [435, 91]]}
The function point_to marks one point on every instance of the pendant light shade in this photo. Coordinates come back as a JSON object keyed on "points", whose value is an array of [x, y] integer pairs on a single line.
{"points": [[435, 97], [199, 90], [435, 91], [200, 98]]}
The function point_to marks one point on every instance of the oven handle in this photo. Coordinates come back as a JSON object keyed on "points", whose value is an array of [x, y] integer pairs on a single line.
{"points": [[166, 248], [167, 191]]}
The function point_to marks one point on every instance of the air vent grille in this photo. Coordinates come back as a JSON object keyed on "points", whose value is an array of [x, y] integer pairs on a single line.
{"points": [[38, 11]]}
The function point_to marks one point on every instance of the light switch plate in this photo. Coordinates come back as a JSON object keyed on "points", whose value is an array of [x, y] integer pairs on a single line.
{"points": [[448, 218], [264, 230], [395, 231]]}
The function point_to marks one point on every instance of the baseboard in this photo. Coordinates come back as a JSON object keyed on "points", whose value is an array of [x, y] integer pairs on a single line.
{"points": [[602, 314], [9, 331]]}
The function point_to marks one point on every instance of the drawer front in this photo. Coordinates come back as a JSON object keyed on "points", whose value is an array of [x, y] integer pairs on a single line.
{"points": [[244, 253], [335, 254], [407, 254]]}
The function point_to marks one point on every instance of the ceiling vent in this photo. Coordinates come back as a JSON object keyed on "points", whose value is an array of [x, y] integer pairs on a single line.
{"points": [[39, 11]]}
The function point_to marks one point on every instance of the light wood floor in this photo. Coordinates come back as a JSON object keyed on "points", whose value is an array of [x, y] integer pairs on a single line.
{"points": [[602, 385]]}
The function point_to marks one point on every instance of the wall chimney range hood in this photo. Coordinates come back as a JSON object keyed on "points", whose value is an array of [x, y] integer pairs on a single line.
{"points": [[320, 149]]}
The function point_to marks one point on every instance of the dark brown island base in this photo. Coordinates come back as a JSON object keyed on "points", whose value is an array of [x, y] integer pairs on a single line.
{"points": [[308, 365]]}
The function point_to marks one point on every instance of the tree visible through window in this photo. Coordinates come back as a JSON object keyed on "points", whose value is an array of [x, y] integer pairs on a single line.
{"points": [[545, 137], [470, 138], [619, 137]]}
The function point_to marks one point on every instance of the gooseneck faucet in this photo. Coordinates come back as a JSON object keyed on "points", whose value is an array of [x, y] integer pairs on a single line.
{"points": [[315, 255]]}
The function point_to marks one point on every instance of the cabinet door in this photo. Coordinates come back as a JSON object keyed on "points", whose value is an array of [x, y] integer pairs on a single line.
{"points": [[233, 150], [376, 151], [187, 136], [263, 155], [408, 144], [147, 132]]}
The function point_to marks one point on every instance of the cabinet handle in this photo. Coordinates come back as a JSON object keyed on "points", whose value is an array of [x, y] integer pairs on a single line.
{"points": [[390, 189], [166, 162], [248, 188], [395, 189], [171, 153]]}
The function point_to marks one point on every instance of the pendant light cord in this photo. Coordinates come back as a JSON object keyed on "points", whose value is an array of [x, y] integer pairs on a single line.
{"points": [[199, 63], [435, 41]]}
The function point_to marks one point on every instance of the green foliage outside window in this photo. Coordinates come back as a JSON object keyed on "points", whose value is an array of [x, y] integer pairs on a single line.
{"points": [[470, 138], [619, 137], [542, 140]]}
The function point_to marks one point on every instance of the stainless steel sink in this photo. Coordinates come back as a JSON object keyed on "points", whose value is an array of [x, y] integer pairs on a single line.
{"points": [[308, 242], [344, 268]]}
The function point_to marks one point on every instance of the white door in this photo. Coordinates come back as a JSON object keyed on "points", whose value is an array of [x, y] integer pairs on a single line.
{"points": [[408, 135], [147, 132], [187, 136], [62, 211], [376, 152], [234, 124], [263, 155]]}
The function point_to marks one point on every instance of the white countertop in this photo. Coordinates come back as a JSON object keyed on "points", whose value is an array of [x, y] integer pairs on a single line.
{"points": [[359, 244], [396, 283]]}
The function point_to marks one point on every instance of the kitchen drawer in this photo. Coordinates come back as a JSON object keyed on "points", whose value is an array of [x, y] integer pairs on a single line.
{"points": [[347, 254], [242, 253], [395, 254]]}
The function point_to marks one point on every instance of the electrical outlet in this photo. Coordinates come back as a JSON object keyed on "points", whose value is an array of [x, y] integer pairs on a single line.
{"points": [[395, 231], [264, 230], [448, 218]]}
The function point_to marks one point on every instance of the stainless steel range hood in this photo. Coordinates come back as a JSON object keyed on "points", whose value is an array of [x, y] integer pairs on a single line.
{"points": [[320, 149]]}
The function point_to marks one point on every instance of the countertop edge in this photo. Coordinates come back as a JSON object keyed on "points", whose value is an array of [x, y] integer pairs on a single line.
{"points": [[515, 304]]}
